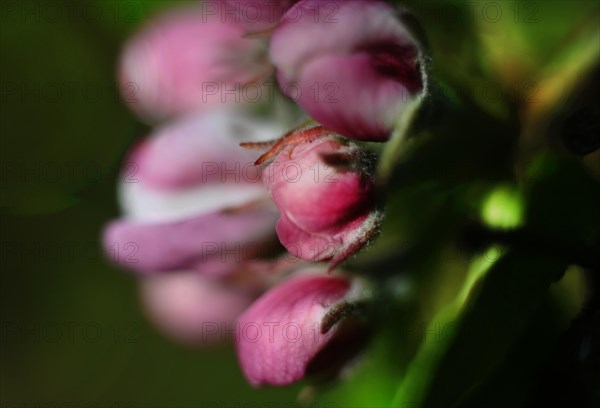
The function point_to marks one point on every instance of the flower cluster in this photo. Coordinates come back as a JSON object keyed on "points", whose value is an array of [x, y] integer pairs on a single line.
{"points": [[221, 234]]}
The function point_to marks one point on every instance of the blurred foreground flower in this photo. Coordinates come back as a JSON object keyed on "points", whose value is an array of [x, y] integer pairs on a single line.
{"points": [[190, 194], [187, 60], [192, 308], [353, 70]]}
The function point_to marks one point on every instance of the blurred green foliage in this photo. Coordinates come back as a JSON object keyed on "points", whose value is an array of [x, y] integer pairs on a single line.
{"points": [[492, 306]]}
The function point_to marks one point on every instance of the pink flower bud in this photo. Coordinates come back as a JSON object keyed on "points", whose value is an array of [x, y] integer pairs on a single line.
{"points": [[284, 330], [321, 185], [192, 309], [186, 60], [190, 193], [352, 65]]}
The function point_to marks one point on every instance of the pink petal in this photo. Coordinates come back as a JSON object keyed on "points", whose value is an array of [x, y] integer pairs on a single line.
{"points": [[306, 245], [335, 246], [191, 308], [220, 239], [351, 65], [356, 101], [168, 67], [194, 166], [313, 28], [317, 196], [280, 333], [202, 148]]}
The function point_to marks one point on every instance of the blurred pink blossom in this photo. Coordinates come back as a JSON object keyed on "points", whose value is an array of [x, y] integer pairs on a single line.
{"points": [[192, 198], [185, 60], [191, 308], [352, 65]]}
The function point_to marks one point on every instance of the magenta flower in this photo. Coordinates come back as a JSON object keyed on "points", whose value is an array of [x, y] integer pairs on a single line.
{"points": [[186, 60], [192, 198], [322, 186], [284, 330], [352, 65]]}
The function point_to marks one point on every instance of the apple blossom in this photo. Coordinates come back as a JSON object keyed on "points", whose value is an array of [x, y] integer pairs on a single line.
{"points": [[280, 334], [200, 212], [184, 60], [352, 65], [322, 186], [190, 194]]}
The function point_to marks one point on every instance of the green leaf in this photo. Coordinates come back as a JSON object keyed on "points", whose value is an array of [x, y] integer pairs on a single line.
{"points": [[488, 322]]}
